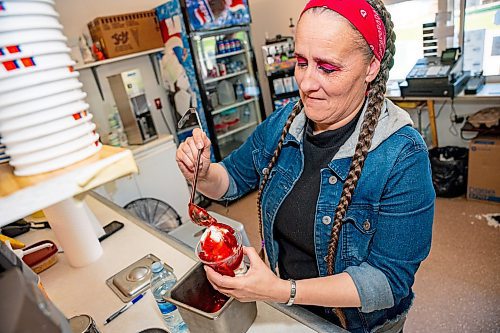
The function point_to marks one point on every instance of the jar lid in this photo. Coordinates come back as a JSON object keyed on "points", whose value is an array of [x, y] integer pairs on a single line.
{"points": [[80, 323]]}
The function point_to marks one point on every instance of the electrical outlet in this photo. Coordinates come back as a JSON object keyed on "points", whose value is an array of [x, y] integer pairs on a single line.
{"points": [[158, 103]]}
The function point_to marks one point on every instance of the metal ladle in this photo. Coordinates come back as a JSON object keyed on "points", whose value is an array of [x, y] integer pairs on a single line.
{"points": [[197, 214]]}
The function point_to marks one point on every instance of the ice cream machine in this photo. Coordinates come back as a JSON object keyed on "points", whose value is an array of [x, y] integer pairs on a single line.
{"points": [[130, 99]]}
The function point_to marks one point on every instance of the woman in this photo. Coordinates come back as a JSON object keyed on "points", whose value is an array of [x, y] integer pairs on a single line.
{"points": [[345, 194]]}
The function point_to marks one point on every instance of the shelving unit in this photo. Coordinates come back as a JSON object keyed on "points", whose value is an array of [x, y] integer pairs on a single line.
{"points": [[215, 79], [208, 60], [125, 57], [279, 75], [235, 105], [94, 65], [21, 196], [236, 130], [226, 55]]}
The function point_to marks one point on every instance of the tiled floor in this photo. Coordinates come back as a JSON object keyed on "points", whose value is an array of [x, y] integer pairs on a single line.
{"points": [[458, 287]]}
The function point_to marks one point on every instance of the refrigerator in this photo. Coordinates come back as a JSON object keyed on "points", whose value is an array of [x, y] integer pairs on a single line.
{"points": [[211, 42]]}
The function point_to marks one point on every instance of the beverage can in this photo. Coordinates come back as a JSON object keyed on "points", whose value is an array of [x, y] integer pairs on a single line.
{"points": [[227, 46], [221, 47], [222, 68]]}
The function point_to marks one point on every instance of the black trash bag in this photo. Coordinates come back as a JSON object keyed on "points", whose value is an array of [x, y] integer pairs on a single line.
{"points": [[449, 170]]}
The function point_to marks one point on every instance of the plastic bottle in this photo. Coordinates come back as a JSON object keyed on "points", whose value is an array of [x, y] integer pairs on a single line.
{"points": [[162, 281], [245, 118], [251, 87], [239, 90], [225, 92], [122, 136]]}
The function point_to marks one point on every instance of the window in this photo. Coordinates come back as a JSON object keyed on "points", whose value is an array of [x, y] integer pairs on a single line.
{"points": [[482, 37], [408, 18]]}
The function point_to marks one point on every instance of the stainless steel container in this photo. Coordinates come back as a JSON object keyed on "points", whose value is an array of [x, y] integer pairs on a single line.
{"points": [[233, 317]]}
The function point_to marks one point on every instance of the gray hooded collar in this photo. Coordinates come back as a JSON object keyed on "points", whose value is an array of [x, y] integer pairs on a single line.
{"points": [[391, 119]]}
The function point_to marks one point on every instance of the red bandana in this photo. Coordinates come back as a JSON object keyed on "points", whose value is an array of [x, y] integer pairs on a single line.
{"points": [[362, 16]]}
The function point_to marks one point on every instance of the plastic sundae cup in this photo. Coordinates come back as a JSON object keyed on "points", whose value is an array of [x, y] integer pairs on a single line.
{"points": [[220, 247]]}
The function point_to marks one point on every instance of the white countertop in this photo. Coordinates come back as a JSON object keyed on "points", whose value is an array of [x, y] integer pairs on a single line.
{"points": [[83, 290], [162, 139]]}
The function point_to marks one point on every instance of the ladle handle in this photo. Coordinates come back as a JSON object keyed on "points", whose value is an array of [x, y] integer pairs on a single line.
{"points": [[196, 168]]}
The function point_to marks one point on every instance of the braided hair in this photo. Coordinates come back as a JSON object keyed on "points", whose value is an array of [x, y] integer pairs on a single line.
{"points": [[372, 114]]}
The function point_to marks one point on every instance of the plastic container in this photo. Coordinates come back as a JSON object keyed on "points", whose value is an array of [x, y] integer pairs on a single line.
{"points": [[239, 90], [221, 128], [232, 265], [225, 92], [12, 23], [44, 129], [43, 258], [50, 140], [31, 49], [39, 104], [54, 152], [36, 78], [251, 87], [41, 117], [247, 115], [163, 281], [30, 36], [12, 8], [233, 124], [58, 163], [41, 90], [230, 115], [36, 63]]}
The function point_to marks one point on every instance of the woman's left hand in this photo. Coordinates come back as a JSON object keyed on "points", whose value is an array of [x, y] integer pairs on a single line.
{"points": [[258, 284]]}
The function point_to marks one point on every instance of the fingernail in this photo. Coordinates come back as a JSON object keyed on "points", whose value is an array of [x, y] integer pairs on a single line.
{"points": [[200, 145]]}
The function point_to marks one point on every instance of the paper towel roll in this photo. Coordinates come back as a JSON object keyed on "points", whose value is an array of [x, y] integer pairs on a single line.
{"points": [[73, 228]]}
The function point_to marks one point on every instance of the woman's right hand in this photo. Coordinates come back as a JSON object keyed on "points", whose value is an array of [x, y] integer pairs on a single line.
{"points": [[187, 154]]}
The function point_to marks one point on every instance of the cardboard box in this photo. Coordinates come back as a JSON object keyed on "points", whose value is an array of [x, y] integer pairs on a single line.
{"points": [[126, 33], [484, 169]]}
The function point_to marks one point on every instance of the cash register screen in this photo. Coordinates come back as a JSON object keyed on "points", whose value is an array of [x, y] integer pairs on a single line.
{"points": [[449, 56]]}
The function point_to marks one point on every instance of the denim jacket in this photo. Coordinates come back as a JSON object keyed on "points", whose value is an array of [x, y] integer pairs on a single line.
{"points": [[388, 226]]}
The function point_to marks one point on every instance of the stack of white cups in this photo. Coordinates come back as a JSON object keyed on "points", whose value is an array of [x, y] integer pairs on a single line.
{"points": [[44, 120]]}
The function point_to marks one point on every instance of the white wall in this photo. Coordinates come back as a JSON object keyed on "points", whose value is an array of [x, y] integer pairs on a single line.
{"points": [[74, 16], [446, 136], [267, 16], [272, 17]]}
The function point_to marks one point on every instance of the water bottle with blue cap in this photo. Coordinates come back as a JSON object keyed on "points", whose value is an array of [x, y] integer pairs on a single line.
{"points": [[163, 280]]}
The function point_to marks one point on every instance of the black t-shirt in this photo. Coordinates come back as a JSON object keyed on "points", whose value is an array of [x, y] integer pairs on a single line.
{"points": [[294, 223]]}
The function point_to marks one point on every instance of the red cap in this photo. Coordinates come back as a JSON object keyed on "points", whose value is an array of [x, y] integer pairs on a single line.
{"points": [[362, 16]]}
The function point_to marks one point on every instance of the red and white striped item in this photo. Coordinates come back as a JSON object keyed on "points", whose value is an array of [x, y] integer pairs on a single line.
{"points": [[26, 50], [11, 8], [44, 120], [41, 104], [59, 162], [10, 68], [30, 36], [36, 78], [22, 22], [42, 130]]}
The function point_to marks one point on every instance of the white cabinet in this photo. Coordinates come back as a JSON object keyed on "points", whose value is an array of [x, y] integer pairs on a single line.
{"points": [[158, 178]]}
